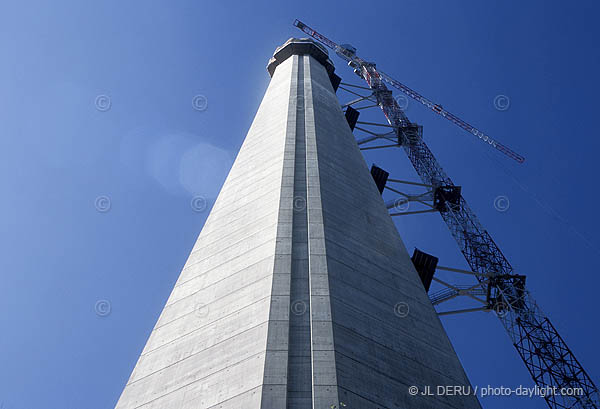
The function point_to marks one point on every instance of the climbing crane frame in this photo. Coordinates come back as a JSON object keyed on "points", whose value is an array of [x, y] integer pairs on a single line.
{"points": [[550, 362]]}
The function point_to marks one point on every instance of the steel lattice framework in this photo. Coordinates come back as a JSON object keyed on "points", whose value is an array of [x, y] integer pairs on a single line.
{"points": [[549, 360]]}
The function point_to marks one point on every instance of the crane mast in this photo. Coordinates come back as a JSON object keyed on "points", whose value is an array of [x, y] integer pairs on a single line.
{"points": [[548, 359]]}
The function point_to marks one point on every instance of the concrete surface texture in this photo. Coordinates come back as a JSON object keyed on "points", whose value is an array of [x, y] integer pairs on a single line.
{"points": [[290, 296]]}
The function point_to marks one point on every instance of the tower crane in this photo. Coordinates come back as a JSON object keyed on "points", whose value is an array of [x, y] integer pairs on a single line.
{"points": [[348, 53], [550, 362]]}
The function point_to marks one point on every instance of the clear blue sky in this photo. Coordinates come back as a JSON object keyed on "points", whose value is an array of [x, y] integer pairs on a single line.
{"points": [[151, 152]]}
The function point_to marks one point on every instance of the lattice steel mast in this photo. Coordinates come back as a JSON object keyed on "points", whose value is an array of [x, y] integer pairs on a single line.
{"points": [[548, 359]]}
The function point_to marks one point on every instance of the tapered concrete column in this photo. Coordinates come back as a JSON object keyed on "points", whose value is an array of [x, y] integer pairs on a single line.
{"points": [[288, 298]]}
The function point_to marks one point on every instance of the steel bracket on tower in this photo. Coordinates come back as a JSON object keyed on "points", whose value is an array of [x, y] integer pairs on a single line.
{"points": [[487, 292], [439, 198], [351, 115], [403, 133]]}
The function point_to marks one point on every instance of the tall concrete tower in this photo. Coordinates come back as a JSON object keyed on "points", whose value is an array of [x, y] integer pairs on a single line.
{"points": [[289, 297]]}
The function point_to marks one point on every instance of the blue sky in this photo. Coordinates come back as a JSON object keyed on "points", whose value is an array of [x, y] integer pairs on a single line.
{"points": [[150, 153]]}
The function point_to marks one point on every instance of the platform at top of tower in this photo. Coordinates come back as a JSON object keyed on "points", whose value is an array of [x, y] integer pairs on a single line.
{"points": [[300, 46]]}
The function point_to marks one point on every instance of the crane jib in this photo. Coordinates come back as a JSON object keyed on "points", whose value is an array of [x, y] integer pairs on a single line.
{"points": [[416, 96]]}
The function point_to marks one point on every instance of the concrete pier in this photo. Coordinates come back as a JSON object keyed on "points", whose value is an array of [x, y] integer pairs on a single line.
{"points": [[290, 297]]}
